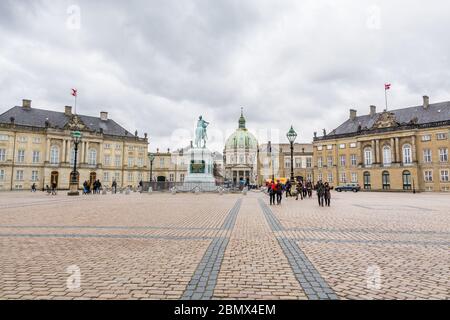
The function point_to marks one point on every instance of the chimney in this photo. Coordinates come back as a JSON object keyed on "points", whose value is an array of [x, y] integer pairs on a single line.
{"points": [[104, 116], [68, 110], [426, 102], [26, 104], [352, 114], [373, 110]]}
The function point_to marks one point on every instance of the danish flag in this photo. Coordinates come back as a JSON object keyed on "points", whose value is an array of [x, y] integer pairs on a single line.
{"points": [[387, 86], [74, 92]]}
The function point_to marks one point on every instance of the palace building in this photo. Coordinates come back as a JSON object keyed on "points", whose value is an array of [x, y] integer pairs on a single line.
{"points": [[396, 150], [36, 147]]}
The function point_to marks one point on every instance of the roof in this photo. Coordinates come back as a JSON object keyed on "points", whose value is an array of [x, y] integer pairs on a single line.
{"points": [[37, 118], [435, 113]]}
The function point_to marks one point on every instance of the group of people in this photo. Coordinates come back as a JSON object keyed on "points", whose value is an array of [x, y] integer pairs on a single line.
{"points": [[94, 187], [303, 190]]}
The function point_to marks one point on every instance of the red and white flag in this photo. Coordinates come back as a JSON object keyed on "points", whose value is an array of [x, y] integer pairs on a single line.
{"points": [[387, 86], [74, 92]]}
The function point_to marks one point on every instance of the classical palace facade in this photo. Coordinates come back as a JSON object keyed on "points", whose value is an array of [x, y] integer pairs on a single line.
{"points": [[399, 150], [36, 147]]}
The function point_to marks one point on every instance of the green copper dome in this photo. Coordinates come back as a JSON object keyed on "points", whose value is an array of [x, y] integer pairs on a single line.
{"points": [[241, 138]]}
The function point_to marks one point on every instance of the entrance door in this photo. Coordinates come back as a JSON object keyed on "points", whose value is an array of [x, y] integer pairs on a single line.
{"points": [[92, 177], [54, 178]]}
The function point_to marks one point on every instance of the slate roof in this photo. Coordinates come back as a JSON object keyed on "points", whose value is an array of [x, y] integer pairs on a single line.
{"points": [[37, 118], [437, 112]]}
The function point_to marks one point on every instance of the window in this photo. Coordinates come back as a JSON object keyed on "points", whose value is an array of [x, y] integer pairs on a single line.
{"points": [[130, 162], [2, 174], [441, 136], [428, 176], [319, 162], [343, 160], [241, 159], [444, 175], [427, 156], [54, 155], [182, 177], [330, 177], [92, 158], [118, 161], [171, 177], [36, 140], [354, 177], [329, 161], [330, 147], [161, 163], [426, 138], [352, 145], [443, 155], [130, 176], [342, 146], [367, 184], [407, 154], [36, 156], [287, 163], [107, 160], [387, 155], [343, 177], [117, 176], [319, 148], [21, 156], [353, 160], [19, 175], [107, 146], [118, 147], [406, 180], [34, 176], [2, 155], [140, 176], [298, 162], [368, 156], [140, 162], [308, 162], [320, 177], [22, 139], [386, 180], [4, 137], [309, 177], [106, 176]]}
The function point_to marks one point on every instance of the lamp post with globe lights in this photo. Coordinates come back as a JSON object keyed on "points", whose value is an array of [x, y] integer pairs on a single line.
{"points": [[74, 175], [291, 136]]}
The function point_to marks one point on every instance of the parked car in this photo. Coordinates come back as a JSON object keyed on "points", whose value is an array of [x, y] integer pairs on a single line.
{"points": [[349, 187]]}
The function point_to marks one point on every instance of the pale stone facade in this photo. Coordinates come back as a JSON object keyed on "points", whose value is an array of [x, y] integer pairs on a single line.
{"points": [[402, 150], [36, 147]]}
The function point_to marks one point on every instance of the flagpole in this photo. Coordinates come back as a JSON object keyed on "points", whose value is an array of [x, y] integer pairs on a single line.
{"points": [[385, 96], [75, 105]]}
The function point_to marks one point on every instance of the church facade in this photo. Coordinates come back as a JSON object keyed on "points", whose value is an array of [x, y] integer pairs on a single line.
{"points": [[399, 150]]}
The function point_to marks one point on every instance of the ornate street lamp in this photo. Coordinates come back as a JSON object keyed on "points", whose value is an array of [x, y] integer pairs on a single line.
{"points": [[292, 135], [151, 157], [74, 175]]}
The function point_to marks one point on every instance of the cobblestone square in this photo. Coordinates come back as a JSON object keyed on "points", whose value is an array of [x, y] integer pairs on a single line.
{"points": [[207, 246]]}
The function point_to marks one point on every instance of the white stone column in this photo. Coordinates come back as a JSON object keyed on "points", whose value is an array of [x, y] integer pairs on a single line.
{"points": [[393, 155], [374, 154], [47, 151], [63, 157], [82, 152], [397, 150], [414, 149], [86, 152], [377, 146]]}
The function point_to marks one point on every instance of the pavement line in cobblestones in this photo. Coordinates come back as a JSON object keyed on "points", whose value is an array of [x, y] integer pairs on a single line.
{"points": [[203, 282], [369, 231], [412, 242], [309, 278], [109, 236], [108, 227]]}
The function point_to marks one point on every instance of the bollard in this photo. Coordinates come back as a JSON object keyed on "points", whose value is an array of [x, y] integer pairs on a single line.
{"points": [[221, 191], [244, 192], [150, 190], [128, 191], [174, 191]]}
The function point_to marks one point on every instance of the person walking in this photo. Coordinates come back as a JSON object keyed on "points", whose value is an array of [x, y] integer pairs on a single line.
{"points": [[279, 191], [327, 194], [53, 189], [320, 193], [288, 189], [309, 188], [299, 190], [272, 192], [33, 187], [114, 187]]}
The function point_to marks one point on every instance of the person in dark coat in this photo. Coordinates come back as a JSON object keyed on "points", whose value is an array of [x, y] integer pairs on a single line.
{"points": [[320, 193], [272, 192], [279, 190], [327, 193], [288, 189], [309, 188], [114, 187], [299, 190]]}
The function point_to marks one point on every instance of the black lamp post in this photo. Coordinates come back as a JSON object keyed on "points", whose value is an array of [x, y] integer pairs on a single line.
{"points": [[292, 135], [74, 176], [151, 158]]}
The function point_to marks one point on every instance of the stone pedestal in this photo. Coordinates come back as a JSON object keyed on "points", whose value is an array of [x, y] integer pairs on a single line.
{"points": [[200, 171]]}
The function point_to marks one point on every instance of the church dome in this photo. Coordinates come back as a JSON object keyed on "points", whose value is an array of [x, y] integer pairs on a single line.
{"points": [[241, 138]]}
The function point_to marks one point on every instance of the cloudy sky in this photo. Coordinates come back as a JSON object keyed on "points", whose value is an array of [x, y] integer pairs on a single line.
{"points": [[157, 65]]}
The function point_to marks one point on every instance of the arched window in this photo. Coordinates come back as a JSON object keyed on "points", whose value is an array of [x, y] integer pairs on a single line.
{"points": [[92, 157], [54, 155], [387, 155], [367, 184], [386, 180], [368, 156], [407, 159], [407, 180]]}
